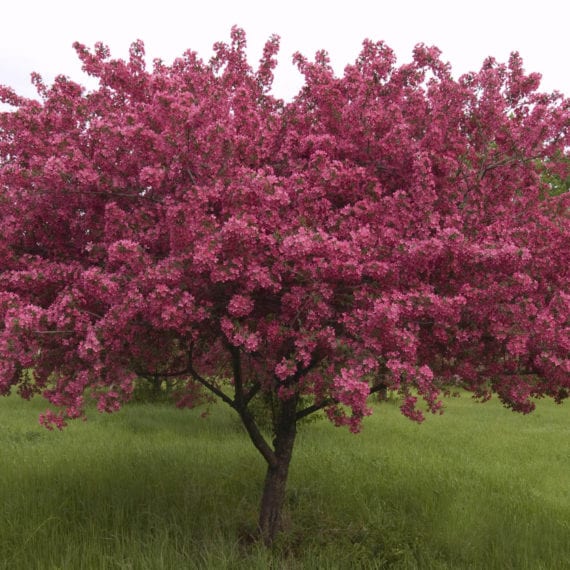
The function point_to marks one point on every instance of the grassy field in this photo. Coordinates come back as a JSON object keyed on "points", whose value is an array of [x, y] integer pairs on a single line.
{"points": [[153, 487]]}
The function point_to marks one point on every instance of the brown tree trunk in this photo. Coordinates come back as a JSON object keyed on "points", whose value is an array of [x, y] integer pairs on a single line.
{"points": [[273, 498], [156, 386], [383, 394]]}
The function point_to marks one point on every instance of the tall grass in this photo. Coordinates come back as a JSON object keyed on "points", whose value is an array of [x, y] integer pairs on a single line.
{"points": [[153, 487]]}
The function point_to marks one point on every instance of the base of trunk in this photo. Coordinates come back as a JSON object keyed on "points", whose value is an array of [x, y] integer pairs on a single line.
{"points": [[272, 502], [273, 498]]}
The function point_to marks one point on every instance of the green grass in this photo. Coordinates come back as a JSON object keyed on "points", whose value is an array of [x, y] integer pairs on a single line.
{"points": [[153, 487]]}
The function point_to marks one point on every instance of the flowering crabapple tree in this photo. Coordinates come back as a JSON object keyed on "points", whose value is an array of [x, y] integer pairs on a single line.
{"points": [[393, 227]]}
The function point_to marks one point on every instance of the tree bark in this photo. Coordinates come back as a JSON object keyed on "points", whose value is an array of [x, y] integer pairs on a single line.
{"points": [[273, 498], [156, 382]]}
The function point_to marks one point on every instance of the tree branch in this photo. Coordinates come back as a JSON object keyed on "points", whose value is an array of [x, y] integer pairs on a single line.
{"points": [[240, 404], [212, 387], [191, 176], [146, 373], [53, 332], [251, 394], [238, 380], [377, 387], [108, 193], [256, 437], [314, 408], [329, 401], [302, 371], [503, 162]]}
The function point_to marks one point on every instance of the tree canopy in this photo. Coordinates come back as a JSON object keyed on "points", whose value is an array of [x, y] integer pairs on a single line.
{"points": [[392, 227]]}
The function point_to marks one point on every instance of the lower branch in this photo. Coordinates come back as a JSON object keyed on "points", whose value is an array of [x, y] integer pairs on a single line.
{"points": [[330, 401], [256, 436], [213, 388]]}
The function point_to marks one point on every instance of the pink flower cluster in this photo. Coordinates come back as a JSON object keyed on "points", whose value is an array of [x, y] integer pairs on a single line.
{"points": [[393, 225]]}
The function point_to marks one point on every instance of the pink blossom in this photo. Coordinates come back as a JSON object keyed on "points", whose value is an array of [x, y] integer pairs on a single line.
{"points": [[240, 306], [312, 248]]}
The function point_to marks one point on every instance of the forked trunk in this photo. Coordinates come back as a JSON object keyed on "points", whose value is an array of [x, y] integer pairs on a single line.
{"points": [[273, 498]]}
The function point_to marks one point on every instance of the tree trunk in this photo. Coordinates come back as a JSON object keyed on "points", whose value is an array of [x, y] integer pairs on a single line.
{"points": [[383, 394], [273, 498], [156, 387]]}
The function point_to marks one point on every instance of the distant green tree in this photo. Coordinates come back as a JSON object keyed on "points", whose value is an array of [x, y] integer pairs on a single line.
{"points": [[558, 181]]}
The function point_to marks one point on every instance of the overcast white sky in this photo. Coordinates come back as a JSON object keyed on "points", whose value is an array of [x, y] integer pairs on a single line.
{"points": [[36, 35]]}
